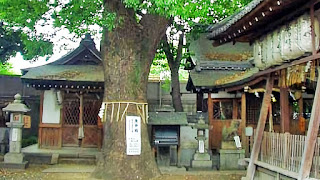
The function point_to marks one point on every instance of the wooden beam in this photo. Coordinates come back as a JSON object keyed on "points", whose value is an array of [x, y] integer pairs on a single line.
{"points": [[240, 87], [284, 110], [260, 128], [210, 116], [243, 123], [312, 135], [234, 109], [286, 65]]}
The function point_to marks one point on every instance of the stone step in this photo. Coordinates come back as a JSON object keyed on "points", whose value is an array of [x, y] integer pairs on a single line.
{"points": [[69, 160]]}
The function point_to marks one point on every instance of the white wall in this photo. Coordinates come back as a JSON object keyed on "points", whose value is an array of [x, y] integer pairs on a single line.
{"points": [[51, 109]]}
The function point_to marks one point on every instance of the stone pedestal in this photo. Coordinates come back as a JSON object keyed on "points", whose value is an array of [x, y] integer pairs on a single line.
{"points": [[201, 161], [229, 159]]}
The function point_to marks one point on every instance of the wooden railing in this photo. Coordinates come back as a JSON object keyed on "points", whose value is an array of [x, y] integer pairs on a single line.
{"points": [[285, 151]]}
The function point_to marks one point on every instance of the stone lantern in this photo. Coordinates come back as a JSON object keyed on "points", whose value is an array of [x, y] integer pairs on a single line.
{"points": [[14, 158], [201, 159]]}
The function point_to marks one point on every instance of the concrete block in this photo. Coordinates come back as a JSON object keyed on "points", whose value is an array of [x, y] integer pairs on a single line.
{"points": [[13, 158], [54, 159], [22, 165], [229, 159], [37, 158]]}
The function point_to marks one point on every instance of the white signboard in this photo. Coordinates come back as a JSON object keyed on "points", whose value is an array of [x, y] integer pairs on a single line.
{"points": [[237, 140], [133, 135], [201, 146], [51, 108], [14, 135]]}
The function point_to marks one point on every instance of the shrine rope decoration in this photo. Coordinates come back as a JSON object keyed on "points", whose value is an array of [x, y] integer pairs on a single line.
{"points": [[142, 110]]}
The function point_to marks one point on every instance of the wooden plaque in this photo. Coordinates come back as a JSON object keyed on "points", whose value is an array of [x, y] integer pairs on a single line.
{"points": [[27, 121]]}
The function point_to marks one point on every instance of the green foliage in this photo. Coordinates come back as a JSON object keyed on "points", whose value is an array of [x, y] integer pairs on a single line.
{"points": [[29, 141], [77, 16], [6, 69], [20, 18]]}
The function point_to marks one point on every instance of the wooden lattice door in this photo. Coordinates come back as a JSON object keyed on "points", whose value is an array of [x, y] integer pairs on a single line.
{"points": [[92, 132], [72, 121]]}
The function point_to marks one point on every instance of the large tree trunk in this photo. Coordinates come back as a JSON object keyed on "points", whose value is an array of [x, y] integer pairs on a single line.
{"points": [[127, 54]]}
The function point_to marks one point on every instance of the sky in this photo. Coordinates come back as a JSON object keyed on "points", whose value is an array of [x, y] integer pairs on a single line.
{"points": [[62, 45]]}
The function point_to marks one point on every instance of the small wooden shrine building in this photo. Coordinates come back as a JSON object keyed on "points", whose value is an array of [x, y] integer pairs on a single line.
{"points": [[212, 65], [71, 95], [284, 36]]}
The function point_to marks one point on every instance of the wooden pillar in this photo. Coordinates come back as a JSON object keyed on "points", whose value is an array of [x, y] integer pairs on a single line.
{"points": [[311, 135], [260, 128], [81, 116], [244, 123], [210, 117], [313, 127], [284, 110], [234, 109], [302, 123], [199, 101], [40, 120]]}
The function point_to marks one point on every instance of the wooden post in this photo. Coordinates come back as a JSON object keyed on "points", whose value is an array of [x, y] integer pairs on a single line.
{"points": [[40, 119], [284, 110], [210, 116], [243, 123], [234, 109], [311, 135], [81, 115], [260, 128], [199, 101], [302, 125]]}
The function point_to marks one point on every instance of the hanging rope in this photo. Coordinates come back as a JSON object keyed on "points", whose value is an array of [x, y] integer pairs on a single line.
{"points": [[142, 110]]}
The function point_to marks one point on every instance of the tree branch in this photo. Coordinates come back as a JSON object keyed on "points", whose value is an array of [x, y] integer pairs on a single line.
{"points": [[180, 46], [167, 49]]}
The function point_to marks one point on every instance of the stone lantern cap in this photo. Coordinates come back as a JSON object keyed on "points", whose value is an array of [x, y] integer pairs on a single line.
{"points": [[17, 105]]}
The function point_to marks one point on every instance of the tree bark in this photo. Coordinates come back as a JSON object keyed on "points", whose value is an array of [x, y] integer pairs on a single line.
{"points": [[127, 54], [174, 64]]}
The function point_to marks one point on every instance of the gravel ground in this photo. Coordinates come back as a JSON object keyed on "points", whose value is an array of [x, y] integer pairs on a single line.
{"points": [[34, 172]]}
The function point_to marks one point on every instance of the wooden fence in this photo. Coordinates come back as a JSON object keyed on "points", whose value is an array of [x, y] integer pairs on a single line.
{"points": [[285, 151]]}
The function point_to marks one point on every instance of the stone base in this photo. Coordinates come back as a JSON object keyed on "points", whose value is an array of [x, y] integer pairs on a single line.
{"points": [[22, 165], [201, 165], [229, 159], [201, 161], [15, 158], [201, 156], [228, 145]]}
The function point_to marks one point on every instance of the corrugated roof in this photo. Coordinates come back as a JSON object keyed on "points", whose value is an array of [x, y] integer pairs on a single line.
{"points": [[88, 73], [226, 23], [219, 78], [167, 118]]}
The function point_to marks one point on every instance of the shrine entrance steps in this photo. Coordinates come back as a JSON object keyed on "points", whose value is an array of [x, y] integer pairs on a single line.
{"points": [[65, 155]]}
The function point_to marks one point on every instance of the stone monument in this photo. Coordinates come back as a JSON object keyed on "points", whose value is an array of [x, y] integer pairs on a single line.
{"points": [[14, 158], [229, 153], [201, 159]]}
